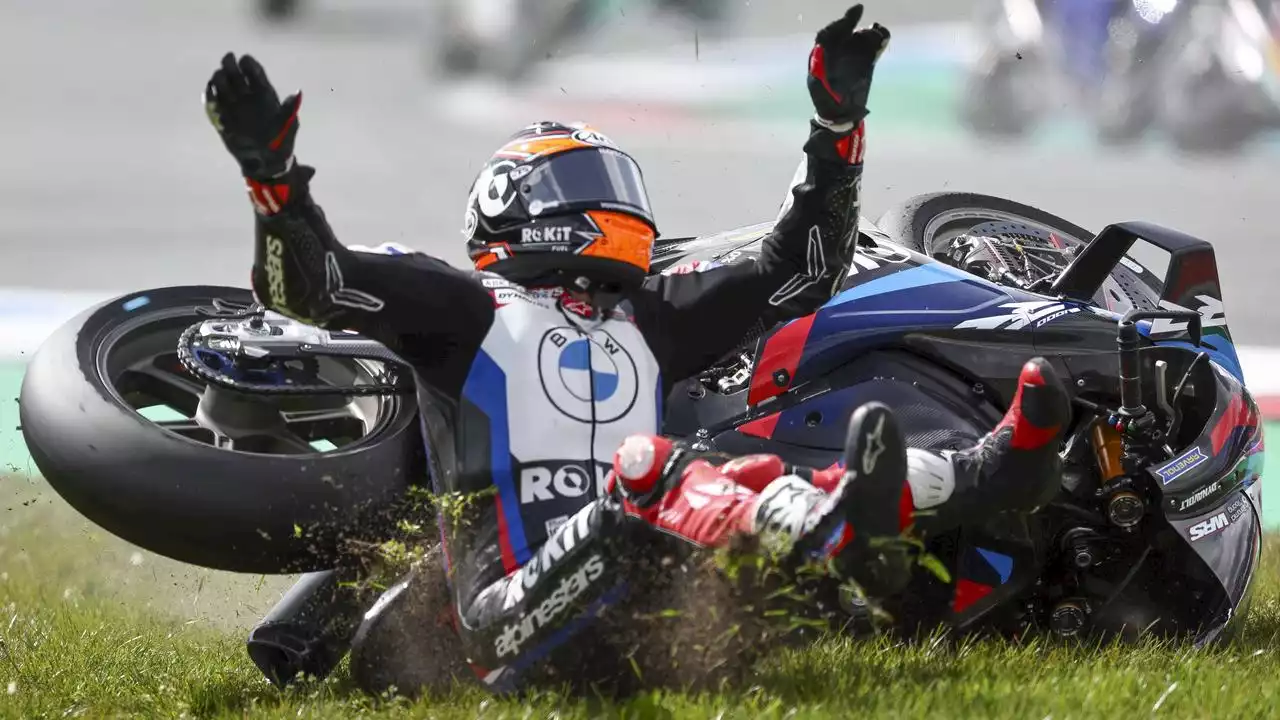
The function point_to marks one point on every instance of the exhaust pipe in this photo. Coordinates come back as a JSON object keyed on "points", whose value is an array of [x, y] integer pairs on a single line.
{"points": [[310, 630]]}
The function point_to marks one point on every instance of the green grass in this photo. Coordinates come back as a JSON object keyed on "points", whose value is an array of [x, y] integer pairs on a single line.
{"points": [[91, 627]]}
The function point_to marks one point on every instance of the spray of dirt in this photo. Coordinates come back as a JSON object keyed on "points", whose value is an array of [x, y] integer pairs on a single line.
{"points": [[691, 622]]}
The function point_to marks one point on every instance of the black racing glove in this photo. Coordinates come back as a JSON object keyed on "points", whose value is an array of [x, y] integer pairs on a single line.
{"points": [[256, 127], [840, 68]]}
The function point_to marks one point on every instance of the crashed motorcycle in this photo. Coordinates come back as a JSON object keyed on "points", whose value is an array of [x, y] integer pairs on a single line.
{"points": [[1036, 53], [1206, 73], [1221, 86], [190, 422]]}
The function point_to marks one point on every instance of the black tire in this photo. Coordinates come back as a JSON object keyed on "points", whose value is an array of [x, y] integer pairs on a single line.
{"points": [[278, 11], [908, 223], [921, 221], [1207, 113], [185, 499]]}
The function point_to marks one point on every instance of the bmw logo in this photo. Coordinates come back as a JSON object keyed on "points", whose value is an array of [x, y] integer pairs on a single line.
{"points": [[588, 378]]}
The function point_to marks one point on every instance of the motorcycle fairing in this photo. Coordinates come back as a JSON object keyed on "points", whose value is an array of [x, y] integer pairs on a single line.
{"points": [[1227, 539], [1228, 454], [988, 572], [989, 567], [895, 303], [976, 331], [670, 253], [892, 297], [820, 422], [935, 409]]}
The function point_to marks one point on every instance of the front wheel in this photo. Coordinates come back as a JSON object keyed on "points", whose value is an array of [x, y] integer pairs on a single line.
{"points": [[206, 475], [929, 223]]}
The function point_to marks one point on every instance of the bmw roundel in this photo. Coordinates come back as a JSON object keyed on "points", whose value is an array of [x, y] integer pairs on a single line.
{"points": [[588, 378]]}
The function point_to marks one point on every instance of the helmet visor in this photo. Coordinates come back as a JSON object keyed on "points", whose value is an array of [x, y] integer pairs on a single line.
{"points": [[602, 179]]}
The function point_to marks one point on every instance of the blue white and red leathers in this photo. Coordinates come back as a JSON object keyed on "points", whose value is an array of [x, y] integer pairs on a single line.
{"points": [[526, 393]]}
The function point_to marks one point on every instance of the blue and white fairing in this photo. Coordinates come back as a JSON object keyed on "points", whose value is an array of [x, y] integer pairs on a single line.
{"points": [[904, 317], [893, 298]]}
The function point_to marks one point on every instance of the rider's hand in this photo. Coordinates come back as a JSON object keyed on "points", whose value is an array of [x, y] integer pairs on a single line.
{"points": [[256, 127], [840, 67]]}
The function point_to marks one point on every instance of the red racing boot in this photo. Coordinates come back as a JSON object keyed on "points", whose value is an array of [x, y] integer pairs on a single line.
{"points": [[706, 505], [1014, 468]]}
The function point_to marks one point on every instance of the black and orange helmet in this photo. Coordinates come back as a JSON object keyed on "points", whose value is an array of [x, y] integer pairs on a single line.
{"points": [[560, 203]]}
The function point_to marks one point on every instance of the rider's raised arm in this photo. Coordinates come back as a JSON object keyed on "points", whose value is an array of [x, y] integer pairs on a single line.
{"points": [[419, 306], [413, 303], [693, 318]]}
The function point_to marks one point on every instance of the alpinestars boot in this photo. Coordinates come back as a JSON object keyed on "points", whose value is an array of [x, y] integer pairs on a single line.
{"points": [[857, 523]]}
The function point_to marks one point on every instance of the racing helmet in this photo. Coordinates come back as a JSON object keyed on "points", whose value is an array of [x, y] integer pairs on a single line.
{"points": [[561, 205]]}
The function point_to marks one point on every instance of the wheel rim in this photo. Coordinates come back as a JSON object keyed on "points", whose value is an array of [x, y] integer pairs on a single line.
{"points": [[949, 224], [137, 363], [1051, 247]]}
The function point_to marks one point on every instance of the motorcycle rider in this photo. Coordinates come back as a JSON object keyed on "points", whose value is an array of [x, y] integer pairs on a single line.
{"points": [[534, 368]]}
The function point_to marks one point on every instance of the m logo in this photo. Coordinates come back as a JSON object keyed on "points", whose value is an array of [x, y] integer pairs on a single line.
{"points": [[1211, 312], [1020, 315]]}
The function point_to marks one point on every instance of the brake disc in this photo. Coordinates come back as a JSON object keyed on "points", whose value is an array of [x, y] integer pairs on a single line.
{"points": [[1020, 255]]}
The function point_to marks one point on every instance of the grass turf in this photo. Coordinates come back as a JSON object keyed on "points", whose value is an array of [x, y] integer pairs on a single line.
{"points": [[90, 627]]}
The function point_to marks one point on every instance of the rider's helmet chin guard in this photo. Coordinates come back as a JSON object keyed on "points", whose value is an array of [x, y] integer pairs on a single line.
{"points": [[561, 205]]}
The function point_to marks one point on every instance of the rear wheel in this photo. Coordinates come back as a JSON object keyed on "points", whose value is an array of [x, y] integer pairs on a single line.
{"points": [[1008, 243], [207, 475]]}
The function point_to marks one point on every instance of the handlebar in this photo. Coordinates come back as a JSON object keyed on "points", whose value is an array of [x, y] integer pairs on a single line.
{"points": [[1129, 341]]}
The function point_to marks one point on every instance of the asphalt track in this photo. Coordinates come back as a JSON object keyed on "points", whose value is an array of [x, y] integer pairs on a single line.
{"points": [[111, 179]]}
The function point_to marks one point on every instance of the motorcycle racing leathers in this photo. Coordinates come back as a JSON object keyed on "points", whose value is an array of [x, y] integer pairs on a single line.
{"points": [[526, 392]]}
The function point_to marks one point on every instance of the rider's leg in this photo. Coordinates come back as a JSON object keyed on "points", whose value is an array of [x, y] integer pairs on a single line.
{"points": [[1014, 468], [508, 628], [518, 628], [760, 495]]}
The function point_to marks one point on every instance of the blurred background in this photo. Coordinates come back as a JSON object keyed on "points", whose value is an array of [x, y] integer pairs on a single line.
{"points": [[111, 179]]}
